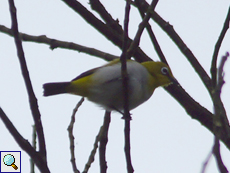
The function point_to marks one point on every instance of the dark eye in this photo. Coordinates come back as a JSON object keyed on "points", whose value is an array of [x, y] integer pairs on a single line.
{"points": [[164, 70]]}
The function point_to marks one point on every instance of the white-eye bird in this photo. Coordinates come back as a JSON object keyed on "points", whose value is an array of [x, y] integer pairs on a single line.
{"points": [[103, 85]]}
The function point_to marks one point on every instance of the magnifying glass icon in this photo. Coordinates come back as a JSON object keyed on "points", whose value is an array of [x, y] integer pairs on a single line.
{"points": [[9, 160]]}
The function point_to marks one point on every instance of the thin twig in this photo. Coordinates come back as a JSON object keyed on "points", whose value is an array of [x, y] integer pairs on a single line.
{"points": [[71, 137], [53, 43], [217, 48], [216, 151], [93, 152], [125, 81], [34, 136], [142, 26], [206, 162], [151, 34], [113, 24], [103, 142], [123, 59], [32, 99], [220, 119], [103, 130]]}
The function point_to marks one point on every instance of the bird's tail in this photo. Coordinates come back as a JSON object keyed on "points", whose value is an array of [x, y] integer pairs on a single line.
{"points": [[55, 88]]}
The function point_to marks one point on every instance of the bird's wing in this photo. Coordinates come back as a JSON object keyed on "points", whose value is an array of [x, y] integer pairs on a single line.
{"points": [[87, 73]]}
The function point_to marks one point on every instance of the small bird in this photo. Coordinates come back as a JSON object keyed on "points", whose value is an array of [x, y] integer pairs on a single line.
{"points": [[103, 85]]}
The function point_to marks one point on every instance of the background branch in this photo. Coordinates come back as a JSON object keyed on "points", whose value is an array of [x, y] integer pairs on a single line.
{"points": [[71, 137], [217, 48], [141, 28], [32, 99], [24, 144], [151, 34], [102, 138], [125, 90], [115, 37], [111, 23], [34, 142], [181, 45], [53, 43], [220, 119], [103, 141]]}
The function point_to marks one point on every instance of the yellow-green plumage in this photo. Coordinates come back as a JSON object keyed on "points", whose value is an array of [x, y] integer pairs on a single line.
{"points": [[103, 85]]}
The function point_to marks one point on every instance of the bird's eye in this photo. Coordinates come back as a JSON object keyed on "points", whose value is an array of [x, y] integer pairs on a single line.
{"points": [[164, 70]]}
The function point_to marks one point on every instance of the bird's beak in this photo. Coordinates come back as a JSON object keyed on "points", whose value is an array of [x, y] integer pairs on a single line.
{"points": [[173, 80]]}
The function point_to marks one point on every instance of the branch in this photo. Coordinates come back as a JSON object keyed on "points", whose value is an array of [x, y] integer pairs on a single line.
{"points": [[115, 37], [32, 99], [198, 112], [103, 142], [181, 45], [126, 116], [217, 47], [101, 134], [206, 161], [111, 23], [151, 34], [216, 151], [24, 144], [71, 137], [34, 142], [220, 119], [123, 60], [142, 26], [53, 43]]}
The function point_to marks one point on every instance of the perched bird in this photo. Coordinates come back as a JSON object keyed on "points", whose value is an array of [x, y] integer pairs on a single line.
{"points": [[103, 85]]}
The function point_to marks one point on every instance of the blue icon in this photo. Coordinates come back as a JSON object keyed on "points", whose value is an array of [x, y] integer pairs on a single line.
{"points": [[9, 160]]}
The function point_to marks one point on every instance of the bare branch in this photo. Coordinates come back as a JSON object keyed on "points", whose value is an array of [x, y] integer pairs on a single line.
{"points": [[113, 24], [206, 162], [53, 43], [151, 34], [93, 152], [217, 48], [123, 59], [125, 81], [142, 26], [181, 45], [32, 99], [115, 37], [71, 137], [220, 120], [24, 144], [103, 132], [34, 136], [216, 151], [103, 142]]}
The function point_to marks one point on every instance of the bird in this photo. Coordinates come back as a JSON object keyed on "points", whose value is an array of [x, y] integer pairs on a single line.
{"points": [[103, 85]]}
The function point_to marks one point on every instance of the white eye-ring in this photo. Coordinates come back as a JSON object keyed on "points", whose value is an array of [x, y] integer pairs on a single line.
{"points": [[164, 70]]}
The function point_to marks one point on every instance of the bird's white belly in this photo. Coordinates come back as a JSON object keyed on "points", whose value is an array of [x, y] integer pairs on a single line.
{"points": [[107, 90]]}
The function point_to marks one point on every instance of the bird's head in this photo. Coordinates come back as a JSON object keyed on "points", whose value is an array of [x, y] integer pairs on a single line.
{"points": [[161, 73]]}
